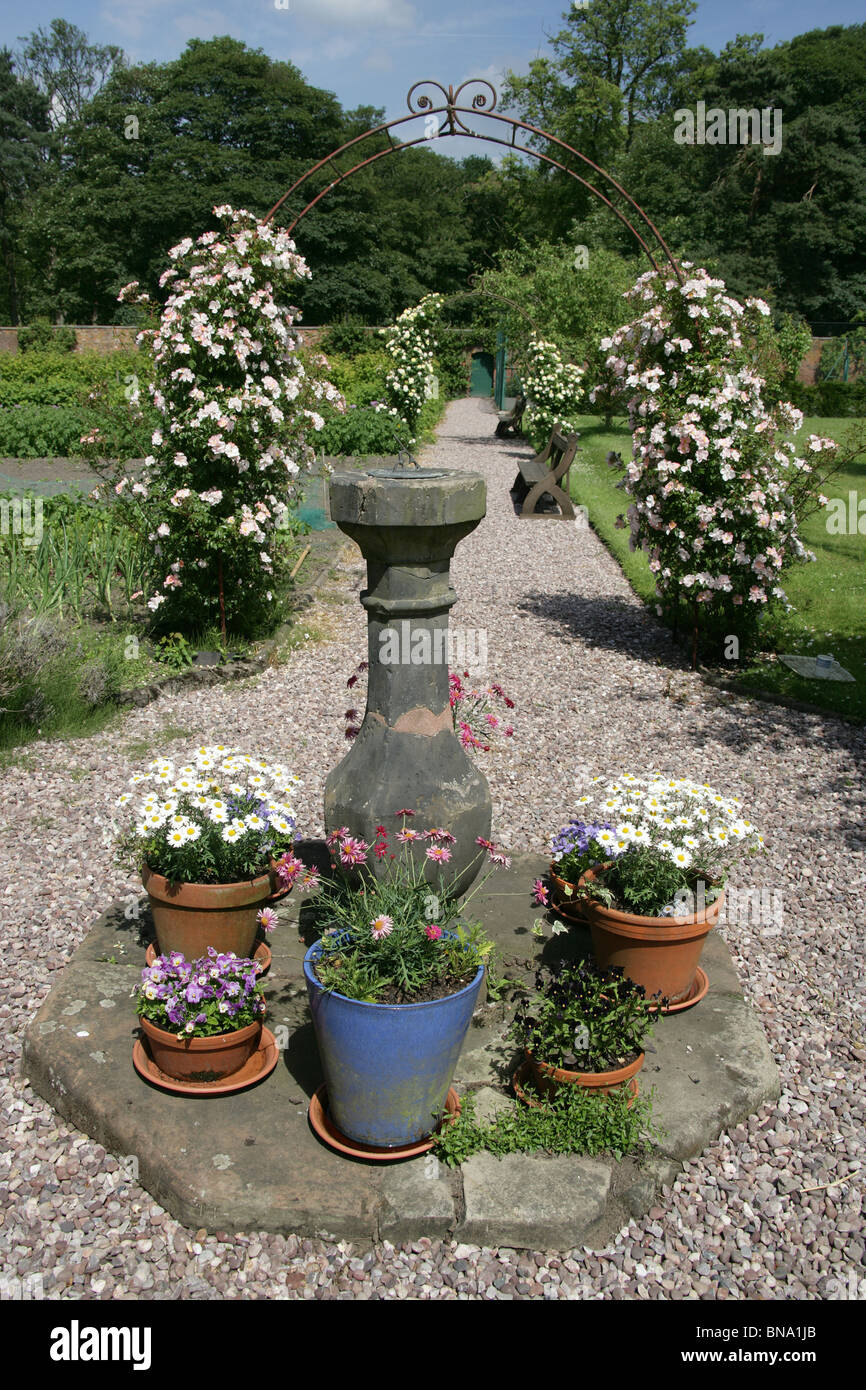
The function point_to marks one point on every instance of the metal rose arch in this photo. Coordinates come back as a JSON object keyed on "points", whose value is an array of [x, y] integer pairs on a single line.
{"points": [[482, 105]]}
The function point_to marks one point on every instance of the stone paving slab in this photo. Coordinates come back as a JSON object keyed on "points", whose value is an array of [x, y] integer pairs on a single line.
{"points": [[251, 1162]]}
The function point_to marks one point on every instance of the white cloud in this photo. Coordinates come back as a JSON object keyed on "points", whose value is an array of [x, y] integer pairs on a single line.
{"points": [[391, 14]]}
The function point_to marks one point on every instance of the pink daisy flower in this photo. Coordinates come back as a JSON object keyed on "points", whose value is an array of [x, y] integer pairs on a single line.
{"points": [[381, 926], [433, 932], [439, 853], [267, 919], [353, 851], [288, 869], [539, 893]]}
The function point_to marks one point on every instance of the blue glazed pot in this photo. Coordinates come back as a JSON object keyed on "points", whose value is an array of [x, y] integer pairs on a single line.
{"points": [[388, 1067]]}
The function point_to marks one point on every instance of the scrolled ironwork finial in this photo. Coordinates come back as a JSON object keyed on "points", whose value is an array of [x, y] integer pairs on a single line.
{"points": [[424, 102], [479, 102]]}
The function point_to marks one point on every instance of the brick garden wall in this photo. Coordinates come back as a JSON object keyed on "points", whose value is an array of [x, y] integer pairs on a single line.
{"points": [[97, 337]]}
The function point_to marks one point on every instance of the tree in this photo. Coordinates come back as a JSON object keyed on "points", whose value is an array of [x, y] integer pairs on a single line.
{"points": [[792, 220], [615, 59], [555, 292], [155, 150], [24, 141], [66, 68], [615, 65]]}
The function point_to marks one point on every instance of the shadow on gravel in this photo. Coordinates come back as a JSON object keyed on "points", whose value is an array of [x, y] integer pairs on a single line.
{"points": [[749, 727], [610, 622]]}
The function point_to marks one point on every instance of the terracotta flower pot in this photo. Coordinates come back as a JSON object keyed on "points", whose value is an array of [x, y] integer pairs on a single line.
{"points": [[660, 953], [567, 905], [201, 1059], [547, 1079], [189, 917]]}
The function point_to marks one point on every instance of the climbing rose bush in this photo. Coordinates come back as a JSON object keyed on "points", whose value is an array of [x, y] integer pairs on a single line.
{"points": [[411, 344], [715, 484], [238, 408], [553, 389]]}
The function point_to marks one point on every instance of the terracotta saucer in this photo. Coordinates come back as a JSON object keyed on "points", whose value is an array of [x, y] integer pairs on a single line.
{"points": [[327, 1131], [521, 1075], [260, 1065], [694, 996], [261, 955]]}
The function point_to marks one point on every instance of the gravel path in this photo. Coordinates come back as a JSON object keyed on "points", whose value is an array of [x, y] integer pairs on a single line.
{"points": [[599, 690]]}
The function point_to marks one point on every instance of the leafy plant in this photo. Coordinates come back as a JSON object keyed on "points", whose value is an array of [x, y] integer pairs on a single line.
{"points": [[350, 337], [583, 1018], [571, 1122], [397, 936], [174, 651], [41, 337]]}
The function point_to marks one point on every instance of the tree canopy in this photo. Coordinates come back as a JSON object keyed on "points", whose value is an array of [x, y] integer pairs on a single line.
{"points": [[105, 164]]}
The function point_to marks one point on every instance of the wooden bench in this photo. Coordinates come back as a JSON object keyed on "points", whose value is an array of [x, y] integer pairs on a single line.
{"points": [[509, 420], [542, 475]]}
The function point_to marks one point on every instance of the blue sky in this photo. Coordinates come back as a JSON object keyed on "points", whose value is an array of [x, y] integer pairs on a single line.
{"points": [[370, 51]]}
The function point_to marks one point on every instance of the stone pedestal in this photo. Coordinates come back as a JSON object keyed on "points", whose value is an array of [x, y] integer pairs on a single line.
{"points": [[407, 524]]}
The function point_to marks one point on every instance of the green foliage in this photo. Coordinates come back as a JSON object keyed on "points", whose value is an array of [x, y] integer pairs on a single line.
{"points": [[71, 558], [642, 882], [548, 289], [583, 1018], [349, 338], [49, 400], [56, 678], [56, 431], [362, 430], [174, 651], [830, 399], [41, 337], [360, 376], [451, 364], [397, 935], [572, 1122]]}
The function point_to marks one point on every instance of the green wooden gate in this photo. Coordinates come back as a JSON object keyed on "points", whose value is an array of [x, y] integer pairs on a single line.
{"points": [[481, 376]]}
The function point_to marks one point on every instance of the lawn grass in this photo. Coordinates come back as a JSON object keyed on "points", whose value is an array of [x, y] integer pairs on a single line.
{"points": [[829, 595]]}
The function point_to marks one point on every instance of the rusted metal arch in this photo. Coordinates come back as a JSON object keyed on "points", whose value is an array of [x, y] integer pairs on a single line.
{"points": [[453, 124]]}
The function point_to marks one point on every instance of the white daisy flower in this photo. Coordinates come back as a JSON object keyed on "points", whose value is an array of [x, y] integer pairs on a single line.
{"points": [[681, 857]]}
